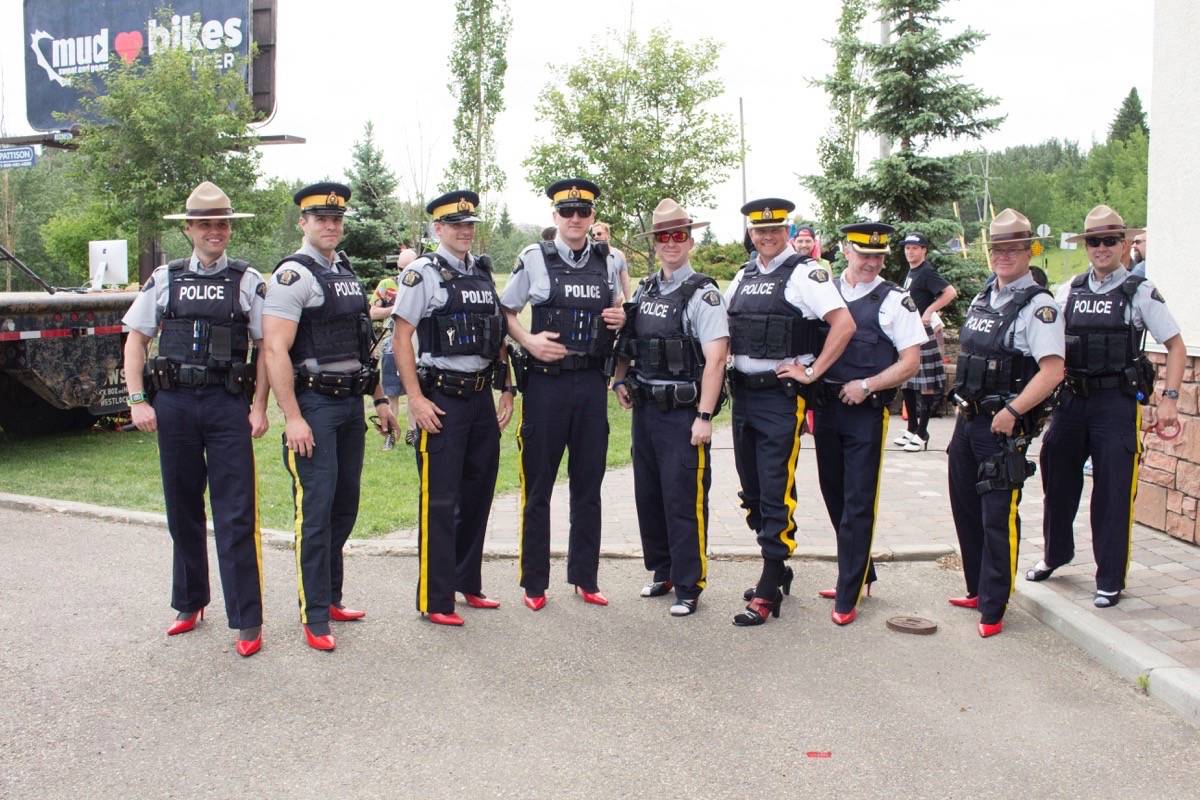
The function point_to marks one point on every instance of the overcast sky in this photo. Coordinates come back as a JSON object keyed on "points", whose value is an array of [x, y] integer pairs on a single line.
{"points": [[1060, 68]]}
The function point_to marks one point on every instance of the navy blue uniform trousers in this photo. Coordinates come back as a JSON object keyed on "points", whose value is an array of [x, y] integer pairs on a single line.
{"points": [[849, 441], [766, 444], [1106, 426], [671, 478], [325, 490], [568, 410], [988, 525], [456, 469], [204, 439]]}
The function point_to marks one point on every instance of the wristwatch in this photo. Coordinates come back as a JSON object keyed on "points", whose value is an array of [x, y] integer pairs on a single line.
{"points": [[704, 415], [809, 372], [1171, 394], [866, 386], [140, 397]]}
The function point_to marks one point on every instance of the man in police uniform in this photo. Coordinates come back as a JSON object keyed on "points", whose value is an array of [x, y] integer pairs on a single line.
{"points": [[576, 297], [776, 306], [1107, 312], [1011, 360], [448, 298], [850, 406], [677, 337], [317, 337], [205, 310]]}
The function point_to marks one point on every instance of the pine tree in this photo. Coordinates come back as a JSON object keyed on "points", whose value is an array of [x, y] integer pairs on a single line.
{"points": [[371, 230], [1130, 117]]}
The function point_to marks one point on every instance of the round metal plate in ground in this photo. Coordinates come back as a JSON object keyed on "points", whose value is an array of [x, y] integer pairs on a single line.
{"points": [[918, 625]]}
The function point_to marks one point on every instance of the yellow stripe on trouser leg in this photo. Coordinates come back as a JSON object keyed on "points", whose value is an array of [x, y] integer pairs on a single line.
{"points": [[298, 490], [701, 520], [257, 532], [423, 477], [521, 502], [1013, 536], [789, 499], [875, 508], [1137, 464]]}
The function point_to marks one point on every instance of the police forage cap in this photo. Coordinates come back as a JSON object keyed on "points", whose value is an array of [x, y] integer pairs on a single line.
{"points": [[670, 216], [769, 212], [324, 199], [572, 192], [869, 238], [456, 206], [207, 201], [1103, 220], [1011, 226]]}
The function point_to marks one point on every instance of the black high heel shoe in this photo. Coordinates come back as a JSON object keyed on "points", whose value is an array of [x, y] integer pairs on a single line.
{"points": [[1035, 574], [785, 583], [759, 609]]}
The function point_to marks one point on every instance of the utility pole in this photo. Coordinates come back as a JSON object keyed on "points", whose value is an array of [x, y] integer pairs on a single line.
{"points": [[742, 130], [885, 144]]}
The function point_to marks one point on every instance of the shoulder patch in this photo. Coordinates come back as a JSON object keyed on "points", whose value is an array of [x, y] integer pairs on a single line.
{"points": [[1154, 294], [908, 303], [712, 297], [149, 284], [261, 290], [1046, 314], [411, 277], [819, 275], [286, 277]]}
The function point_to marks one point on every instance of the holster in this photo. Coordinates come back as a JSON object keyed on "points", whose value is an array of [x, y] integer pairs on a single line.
{"points": [[1006, 469], [519, 360]]}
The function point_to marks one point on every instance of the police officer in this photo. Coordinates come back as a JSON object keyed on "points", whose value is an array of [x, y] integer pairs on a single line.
{"points": [[850, 406], [677, 338], [776, 305], [317, 337], [576, 296], [1010, 361], [205, 310], [449, 299], [1107, 313]]}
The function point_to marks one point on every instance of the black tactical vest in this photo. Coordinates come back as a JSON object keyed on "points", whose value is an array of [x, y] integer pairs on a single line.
{"points": [[204, 324], [870, 351], [340, 328], [1099, 340], [764, 325], [471, 323], [577, 296], [988, 364], [661, 348]]}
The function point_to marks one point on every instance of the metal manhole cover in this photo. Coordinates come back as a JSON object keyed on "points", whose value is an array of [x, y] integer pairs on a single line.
{"points": [[918, 625]]}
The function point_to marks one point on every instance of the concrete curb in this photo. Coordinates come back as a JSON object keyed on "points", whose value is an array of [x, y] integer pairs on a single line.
{"points": [[1164, 678]]}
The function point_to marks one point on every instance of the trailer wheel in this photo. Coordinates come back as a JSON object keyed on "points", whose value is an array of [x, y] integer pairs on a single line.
{"points": [[24, 413]]}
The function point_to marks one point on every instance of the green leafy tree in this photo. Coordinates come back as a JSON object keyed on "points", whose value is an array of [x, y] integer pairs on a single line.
{"points": [[835, 188], [478, 62], [1130, 117], [636, 120]]}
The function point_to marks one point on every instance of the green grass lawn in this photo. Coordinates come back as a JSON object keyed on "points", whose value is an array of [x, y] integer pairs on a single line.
{"points": [[1061, 265]]}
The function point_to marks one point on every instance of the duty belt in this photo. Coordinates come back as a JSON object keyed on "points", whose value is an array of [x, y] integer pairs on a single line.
{"points": [[763, 380], [573, 362], [825, 392], [455, 384], [337, 384], [162, 373], [988, 405], [1084, 386], [666, 396]]}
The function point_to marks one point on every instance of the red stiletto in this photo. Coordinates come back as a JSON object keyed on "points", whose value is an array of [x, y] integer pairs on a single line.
{"points": [[245, 649], [970, 601], [828, 594], [345, 614], [844, 619], [323, 642], [481, 601], [535, 603], [987, 629], [446, 619], [595, 598], [186, 623]]}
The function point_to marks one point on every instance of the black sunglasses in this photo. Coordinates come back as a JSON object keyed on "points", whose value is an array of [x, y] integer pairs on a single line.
{"points": [[1107, 241], [582, 213]]}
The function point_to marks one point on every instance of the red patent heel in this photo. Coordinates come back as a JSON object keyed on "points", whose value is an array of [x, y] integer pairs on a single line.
{"points": [[595, 598], [324, 642], [970, 601], [452, 619], [987, 629], [248, 647], [844, 619], [757, 612], [535, 603], [343, 614], [828, 594], [480, 601], [185, 622]]}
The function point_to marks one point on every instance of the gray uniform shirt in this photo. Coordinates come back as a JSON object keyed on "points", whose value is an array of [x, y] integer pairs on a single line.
{"points": [[530, 281], [704, 317], [288, 301], [151, 303], [617, 259], [814, 299], [899, 324], [1030, 333], [419, 300], [1146, 309]]}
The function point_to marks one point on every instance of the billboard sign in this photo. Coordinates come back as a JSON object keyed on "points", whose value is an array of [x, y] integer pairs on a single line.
{"points": [[17, 157], [66, 40]]}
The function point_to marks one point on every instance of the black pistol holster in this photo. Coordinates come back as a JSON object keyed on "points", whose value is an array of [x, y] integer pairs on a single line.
{"points": [[1006, 469]]}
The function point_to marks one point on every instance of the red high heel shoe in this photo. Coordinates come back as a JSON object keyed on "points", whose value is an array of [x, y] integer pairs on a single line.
{"points": [[446, 619], [343, 614], [319, 642], [535, 603], [185, 622], [757, 612], [843, 619], [970, 601], [595, 598], [480, 601], [987, 629], [247, 648], [830, 594]]}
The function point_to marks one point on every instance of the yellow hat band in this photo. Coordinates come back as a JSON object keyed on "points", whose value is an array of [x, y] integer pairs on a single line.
{"points": [[457, 207], [573, 195], [331, 199], [767, 215], [874, 239]]}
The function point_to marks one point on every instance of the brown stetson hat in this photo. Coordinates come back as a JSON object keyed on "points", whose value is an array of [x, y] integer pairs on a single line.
{"points": [[1011, 226], [670, 216], [207, 201], [1102, 221]]}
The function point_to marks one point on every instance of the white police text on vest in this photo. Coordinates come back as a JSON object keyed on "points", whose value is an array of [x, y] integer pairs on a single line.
{"points": [[981, 324], [591, 292], [1092, 307], [347, 288], [651, 308], [757, 288], [477, 296], [202, 292]]}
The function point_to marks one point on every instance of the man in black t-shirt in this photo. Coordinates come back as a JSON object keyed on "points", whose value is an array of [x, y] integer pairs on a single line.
{"points": [[931, 292]]}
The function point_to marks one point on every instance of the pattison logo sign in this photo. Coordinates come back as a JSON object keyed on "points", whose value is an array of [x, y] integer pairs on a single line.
{"points": [[71, 44]]}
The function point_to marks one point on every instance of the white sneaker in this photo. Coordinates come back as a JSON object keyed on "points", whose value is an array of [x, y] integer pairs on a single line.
{"points": [[915, 445], [904, 438]]}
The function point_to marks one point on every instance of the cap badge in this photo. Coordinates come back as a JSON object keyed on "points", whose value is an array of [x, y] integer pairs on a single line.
{"points": [[573, 193], [874, 237], [768, 213], [463, 205], [332, 200]]}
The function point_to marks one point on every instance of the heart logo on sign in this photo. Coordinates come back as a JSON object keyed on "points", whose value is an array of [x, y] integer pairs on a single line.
{"points": [[128, 45]]}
